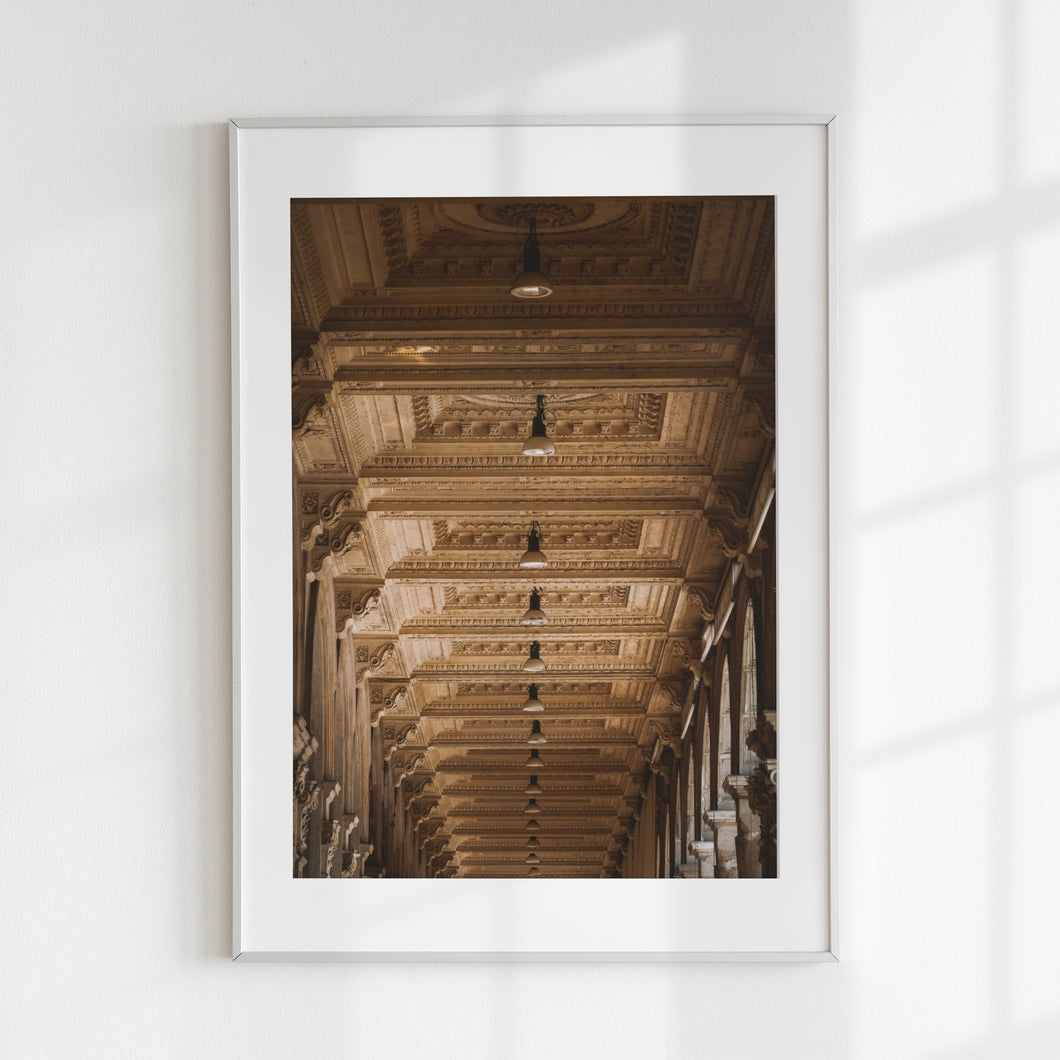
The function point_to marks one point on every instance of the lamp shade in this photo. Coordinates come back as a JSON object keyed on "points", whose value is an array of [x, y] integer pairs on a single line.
{"points": [[532, 703], [539, 443], [533, 558], [533, 663], [536, 737], [531, 282], [534, 616]]}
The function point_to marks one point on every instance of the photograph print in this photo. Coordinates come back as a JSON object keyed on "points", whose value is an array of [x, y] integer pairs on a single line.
{"points": [[534, 538]]}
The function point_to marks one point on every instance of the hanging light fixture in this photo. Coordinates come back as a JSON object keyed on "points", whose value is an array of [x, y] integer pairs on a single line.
{"points": [[533, 788], [533, 871], [533, 826], [539, 443], [534, 616], [531, 282], [533, 663], [531, 807], [533, 557], [534, 761], [532, 859], [537, 737], [533, 843], [533, 704]]}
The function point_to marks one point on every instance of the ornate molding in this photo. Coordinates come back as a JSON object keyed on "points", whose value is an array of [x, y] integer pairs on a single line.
{"points": [[729, 506], [763, 405], [725, 536], [332, 835], [385, 699], [396, 736], [372, 660], [322, 518], [353, 611], [405, 763], [762, 798], [762, 740], [332, 546], [699, 599], [313, 415]]}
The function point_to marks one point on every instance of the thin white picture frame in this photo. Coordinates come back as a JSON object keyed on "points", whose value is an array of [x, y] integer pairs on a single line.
{"points": [[791, 918]]}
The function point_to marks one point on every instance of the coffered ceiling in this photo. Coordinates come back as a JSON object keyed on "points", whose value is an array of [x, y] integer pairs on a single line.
{"points": [[415, 374]]}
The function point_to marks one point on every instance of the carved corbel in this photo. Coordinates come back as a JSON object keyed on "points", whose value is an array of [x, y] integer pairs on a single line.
{"points": [[332, 835], [304, 362], [762, 403], [360, 609], [683, 652], [396, 737], [725, 536], [674, 694], [443, 858], [729, 505], [415, 787], [430, 832], [762, 798], [383, 701], [338, 504], [312, 416], [406, 763], [305, 747], [305, 803], [370, 662], [751, 563], [701, 602], [353, 860], [325, 555], [667, 734], [762, 740], [423, 811]]}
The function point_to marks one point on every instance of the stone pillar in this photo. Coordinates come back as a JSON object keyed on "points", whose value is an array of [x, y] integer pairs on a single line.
{"points": [[762, 792], [703, 852], [762, 789], [748, 829], [723, 824]]}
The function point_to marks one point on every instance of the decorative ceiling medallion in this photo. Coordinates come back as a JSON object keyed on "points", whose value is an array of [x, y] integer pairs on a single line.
{"points": [[547, 214], [513, 217]]}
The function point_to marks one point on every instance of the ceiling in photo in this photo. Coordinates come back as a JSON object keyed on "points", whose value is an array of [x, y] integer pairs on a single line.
{"points": [[415, 378]]}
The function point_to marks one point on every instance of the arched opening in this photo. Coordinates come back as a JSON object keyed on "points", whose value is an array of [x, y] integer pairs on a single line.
{"points": [[724, 799], [690, 833], [704, 761], [748, 691]]}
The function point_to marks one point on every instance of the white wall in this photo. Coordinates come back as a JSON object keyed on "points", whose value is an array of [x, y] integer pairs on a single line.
{"points": [[115, 515]]}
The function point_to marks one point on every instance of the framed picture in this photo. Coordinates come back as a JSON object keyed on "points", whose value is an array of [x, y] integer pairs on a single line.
{"points": [[532, 539]]}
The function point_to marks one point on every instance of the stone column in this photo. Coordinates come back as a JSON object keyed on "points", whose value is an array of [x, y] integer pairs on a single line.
{"points": [[703, 852], [748, 829], [723, 824]]}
